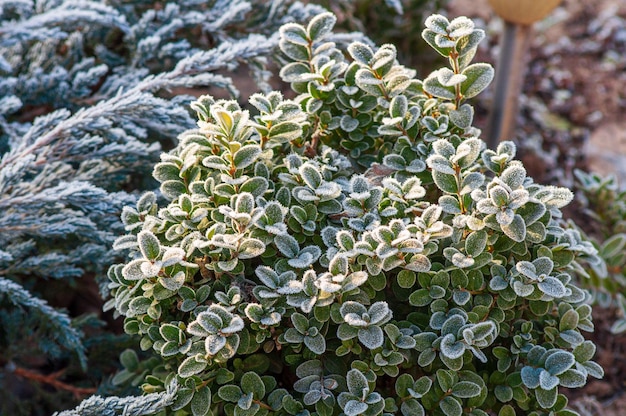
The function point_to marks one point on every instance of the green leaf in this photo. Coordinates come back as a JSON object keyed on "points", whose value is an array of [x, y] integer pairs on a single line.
{"points": [[139, 305], [450, 204], [418, 263], [445, 380], [420, 297], [426, 357], [360, 52], [451, 348], [421, 387], [475, 243], [250, 248], [406, 279], [503, 393], [230, 393], [403, 383], [451, 406], [445, 182], [356, 382], [412, 407], [345, 240], [348, 123], [479, 76], [129, 360], [275, 399], [585, 351], [354, 408], [437, 23], [294, 33], [300, 322], [173, 283], [246, 156], [149, 245], [516, 230], [255, 186], [530, 376], [294, 71], [192, 365], [434, 87], [183, 397], [132, 270], [437, 162], [507, 410], [559, 362], [321, 25], [252, 383], [172, 188], [514, 176], [546, 398], [316, 344], [618, 326], [310, 175], [371, 337], [613, 246], [463, 116], [398, 106], [552, 286], [170, 332], [201, 402], [287, 245], [285, 132], [166, 171], [594, 369], [465, 389], [569, 320], [471, 181], [572, 379], [467, 44]]}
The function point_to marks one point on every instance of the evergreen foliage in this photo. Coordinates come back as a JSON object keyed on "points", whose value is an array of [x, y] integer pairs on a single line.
{"points": [[399, 22], [354, 251], [89, 93]]}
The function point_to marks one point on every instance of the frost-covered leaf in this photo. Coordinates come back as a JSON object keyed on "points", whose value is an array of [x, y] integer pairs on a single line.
{"points": [[516, 230], [552, 286], [321, 25], [546, 398], [192, 366], [465, 389], [287, 245], [478, 77], [451, 406], [149, 245], [361, 53]]}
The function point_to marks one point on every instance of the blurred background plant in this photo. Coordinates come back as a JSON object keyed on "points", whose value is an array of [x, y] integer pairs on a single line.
{"points": [[603, 204]]}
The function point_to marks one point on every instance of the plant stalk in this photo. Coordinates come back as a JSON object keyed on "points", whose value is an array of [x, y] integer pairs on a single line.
{"points": [[510, 72]]}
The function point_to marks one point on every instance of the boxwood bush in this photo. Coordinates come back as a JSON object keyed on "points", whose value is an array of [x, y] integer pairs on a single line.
{"points": [[356, 250]]}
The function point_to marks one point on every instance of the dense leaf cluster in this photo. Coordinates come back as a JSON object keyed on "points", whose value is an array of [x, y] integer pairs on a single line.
{"points": [[356, 250], [86, 100]]}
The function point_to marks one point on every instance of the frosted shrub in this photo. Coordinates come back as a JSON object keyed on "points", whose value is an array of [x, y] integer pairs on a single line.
{"points": [[356, 250], [89, 90]]}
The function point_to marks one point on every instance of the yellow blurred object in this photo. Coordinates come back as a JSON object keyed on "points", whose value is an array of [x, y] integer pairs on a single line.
{"points": [[523, 12]]}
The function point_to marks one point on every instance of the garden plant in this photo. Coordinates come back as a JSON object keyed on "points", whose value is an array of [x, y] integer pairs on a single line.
{"points": [[355, 250], [90, 94]]}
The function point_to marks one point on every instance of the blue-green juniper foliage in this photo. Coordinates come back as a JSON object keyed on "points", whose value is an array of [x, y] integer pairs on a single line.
{"points": [[356, 250]]}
